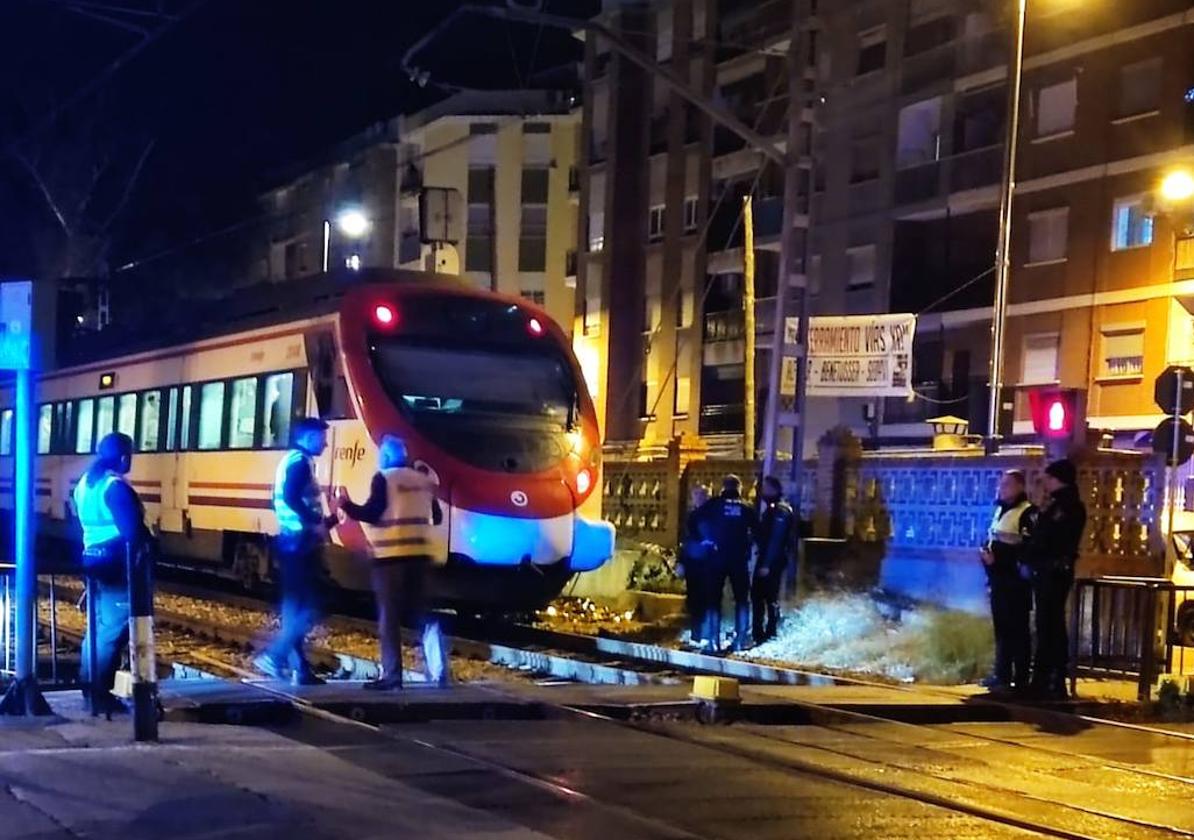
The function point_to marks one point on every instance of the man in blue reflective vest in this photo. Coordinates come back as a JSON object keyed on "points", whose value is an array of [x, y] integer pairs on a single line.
{"points": [[731, 523], [113, 521], [302, 532]]}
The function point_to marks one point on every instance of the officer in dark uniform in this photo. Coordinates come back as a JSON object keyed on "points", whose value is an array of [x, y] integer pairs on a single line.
{"points": [[694, 554], [730, 524], [775, 537], [113, 521], [1007, 580], [1052, 555]]}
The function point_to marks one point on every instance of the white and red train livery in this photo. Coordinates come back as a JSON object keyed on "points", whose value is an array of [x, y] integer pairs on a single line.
{"points": [[483, 388]]}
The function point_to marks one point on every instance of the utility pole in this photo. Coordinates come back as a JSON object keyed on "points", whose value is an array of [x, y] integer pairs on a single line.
{"points": [[748, 328]]}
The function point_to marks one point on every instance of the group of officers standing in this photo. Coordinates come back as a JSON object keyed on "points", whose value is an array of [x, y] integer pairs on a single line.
{"points": [[720, 534], [1029, 558]]}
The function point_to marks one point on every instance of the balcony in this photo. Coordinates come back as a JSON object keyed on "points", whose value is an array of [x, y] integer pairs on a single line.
{"points": [[725, 326], [958, 173], [979, 168], [918, 183]]}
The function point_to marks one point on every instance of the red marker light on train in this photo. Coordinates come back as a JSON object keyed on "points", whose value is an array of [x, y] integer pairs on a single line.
{"points": [[384, 315], [584, 480], [535, 327]]}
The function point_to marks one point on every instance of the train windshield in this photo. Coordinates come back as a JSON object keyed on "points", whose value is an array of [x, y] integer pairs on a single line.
{"points": [[498, 408]]}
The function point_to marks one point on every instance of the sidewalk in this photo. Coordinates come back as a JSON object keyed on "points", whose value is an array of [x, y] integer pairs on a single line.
{"points": [[76, 776]]}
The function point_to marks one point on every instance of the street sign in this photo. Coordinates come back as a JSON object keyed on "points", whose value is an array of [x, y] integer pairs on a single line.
{"points": [[1163, 440], [1174, 390]]}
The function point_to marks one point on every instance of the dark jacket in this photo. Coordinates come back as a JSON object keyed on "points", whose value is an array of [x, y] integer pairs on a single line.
{"points": [[1008, 557], [776, 532], [371, 511], [730, 524], [1057, 536]]}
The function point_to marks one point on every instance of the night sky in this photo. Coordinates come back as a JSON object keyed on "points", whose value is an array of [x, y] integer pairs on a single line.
{"points": [[234, 93]]}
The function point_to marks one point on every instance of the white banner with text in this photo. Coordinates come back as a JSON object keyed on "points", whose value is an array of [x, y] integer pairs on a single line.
{"points": [[860, 355]]}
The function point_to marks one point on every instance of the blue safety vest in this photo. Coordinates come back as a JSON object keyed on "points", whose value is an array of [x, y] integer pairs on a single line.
{"points": [[289, 520], [95, 515]]}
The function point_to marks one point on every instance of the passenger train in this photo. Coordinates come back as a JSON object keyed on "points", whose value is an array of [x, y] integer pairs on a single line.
{"points": [[484, 389]]}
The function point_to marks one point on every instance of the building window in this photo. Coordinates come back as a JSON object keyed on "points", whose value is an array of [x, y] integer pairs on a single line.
{"points": [[864, 160], [664, 35], [6, 432], [814, 274], [872, 50], [1131, 225], [243, 415], [596, 231], [151, 420], [683, 394], [211, 415], [45, 427], [1123, 352], [1056, 106], [126, 414], [277, 410], [482, 128], [1039, 363], [536, 128], [105, 416], [85, 431], [478, 248], [1048, 235], [930, 34], [919, 139], [532, 244], [691, 206], [534, 185], [655, 223], [862, 267], [535, 296], [1140, 87]]}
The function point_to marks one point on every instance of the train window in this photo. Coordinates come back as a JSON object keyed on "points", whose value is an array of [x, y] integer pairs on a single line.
{"points": [[105, 417], [85, 429], [242, 418], [45, 428], [184, 432], [6, 432], [126, 415], [277, 410], [151, 421], [61, 424], [211, 415], [327, 376], [171, 419]]}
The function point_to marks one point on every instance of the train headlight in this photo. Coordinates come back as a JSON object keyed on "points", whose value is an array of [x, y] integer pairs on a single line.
{"points": [[584, 480], [384, 315], [535, 327]]}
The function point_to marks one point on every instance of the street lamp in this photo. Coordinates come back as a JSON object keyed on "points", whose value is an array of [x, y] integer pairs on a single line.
{"points": [[1177, 187], [352, 222]]}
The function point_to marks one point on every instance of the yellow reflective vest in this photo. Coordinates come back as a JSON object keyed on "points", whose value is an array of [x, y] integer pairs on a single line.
{"points": [[1005, 526], [405, 529]]}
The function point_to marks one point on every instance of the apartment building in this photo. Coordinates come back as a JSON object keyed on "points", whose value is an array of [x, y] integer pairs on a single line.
{"points": [[510, 154], [659, 314]]}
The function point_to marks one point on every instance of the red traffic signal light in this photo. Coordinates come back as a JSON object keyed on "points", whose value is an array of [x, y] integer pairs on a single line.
{"points": [[1057, 413]]}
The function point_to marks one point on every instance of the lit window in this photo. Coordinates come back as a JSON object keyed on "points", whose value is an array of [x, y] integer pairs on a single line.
{"points": [[862, 267], [1039, 363], [243, 414], [1122, 352], [126, 414], [279, 398], [211, 415], [6, 432], [919, 138], [184, 435], [1055, 108], [151, 417], [1131, 226], [655, 222], [45, 427], [105, 417], [1048, 235], [171, 419], [85, 432]]}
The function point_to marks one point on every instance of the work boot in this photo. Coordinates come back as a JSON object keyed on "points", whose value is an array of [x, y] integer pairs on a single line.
{"points": [[384, 684]]}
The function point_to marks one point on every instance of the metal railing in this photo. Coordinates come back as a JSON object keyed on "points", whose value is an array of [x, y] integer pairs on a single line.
{"points": [[1125, 628], [46, 650]]}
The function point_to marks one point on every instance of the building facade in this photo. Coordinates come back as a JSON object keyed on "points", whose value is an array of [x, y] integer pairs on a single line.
{"points": [[509, 154]]}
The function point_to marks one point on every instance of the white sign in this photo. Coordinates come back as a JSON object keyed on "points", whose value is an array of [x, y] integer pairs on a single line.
{"points": [[860, 355]]}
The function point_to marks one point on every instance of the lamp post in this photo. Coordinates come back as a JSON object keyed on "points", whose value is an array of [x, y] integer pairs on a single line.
{"points": [[352, 223], [1003, 250]]}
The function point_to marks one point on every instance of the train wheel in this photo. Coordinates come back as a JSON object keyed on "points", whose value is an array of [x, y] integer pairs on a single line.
{"points": [[249, 563], [1183, 624]]}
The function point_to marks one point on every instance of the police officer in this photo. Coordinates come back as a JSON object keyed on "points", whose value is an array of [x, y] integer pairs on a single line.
{"points": [[113, 521], [775, 536], [1007, 580], [694, 551], [399, 516], [730, 524], [302, 532], [1052, 555]]}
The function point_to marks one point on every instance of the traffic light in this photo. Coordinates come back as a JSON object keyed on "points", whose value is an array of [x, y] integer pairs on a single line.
{"points": [[1058, 413]]}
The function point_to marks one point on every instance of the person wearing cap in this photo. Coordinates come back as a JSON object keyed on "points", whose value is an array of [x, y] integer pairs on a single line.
{"points": [[399, 518], [1052, 554], [302, 532], [731, 524], [113, 521], [1007, 581]]}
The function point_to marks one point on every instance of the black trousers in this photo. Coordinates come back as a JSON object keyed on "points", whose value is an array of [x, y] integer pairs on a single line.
{"points": [[694, 596], [1011, 604], [400, 587], [735, 570], [1050, 590], [764, 601], [302, 583]]}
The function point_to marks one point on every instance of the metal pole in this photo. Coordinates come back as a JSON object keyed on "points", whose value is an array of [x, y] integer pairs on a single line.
{"points": [[142, 657], [1003, 251], [327, 243], [748, 306], [1173, 454]]}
